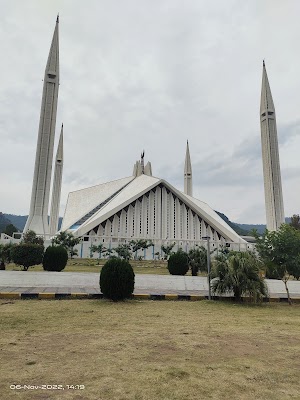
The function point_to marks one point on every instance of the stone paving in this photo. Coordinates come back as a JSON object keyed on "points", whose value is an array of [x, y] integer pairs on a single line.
{"points": [[88, 283]]}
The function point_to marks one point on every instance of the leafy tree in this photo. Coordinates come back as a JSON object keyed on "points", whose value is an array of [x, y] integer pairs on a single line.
{"points": [[238, 272], [5, 254], [123, 251], [140, 244], [167, 250], [295, 221], [198, 260], [10, 229], [27, 254], [108, 253], [280, 252], [68, 241], [30, 237], [97, 249]]}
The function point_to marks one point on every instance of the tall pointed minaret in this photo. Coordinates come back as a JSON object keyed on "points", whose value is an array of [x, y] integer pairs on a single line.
{"points": [[38, 214], [188, 183], [56, 189], [270, 157]]}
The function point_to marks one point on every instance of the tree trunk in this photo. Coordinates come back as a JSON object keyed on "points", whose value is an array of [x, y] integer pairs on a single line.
{"points": [[237, 294], [285, 280]]}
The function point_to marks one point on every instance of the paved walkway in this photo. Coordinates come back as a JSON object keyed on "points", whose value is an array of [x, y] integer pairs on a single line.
{"points": [[15, 282]]}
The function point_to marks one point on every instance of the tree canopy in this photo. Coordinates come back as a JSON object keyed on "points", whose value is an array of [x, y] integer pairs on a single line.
{"points": [[68, 241], [280, 252]]}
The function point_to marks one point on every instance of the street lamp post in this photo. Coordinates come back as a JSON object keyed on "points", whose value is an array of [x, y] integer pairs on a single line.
{"points": [[208, 265]]}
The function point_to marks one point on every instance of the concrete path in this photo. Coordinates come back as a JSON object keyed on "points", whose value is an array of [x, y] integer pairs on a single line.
{"points": [[88, 283]]}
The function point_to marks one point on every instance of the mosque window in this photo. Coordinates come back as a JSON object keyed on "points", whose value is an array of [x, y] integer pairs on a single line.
{"points": [[263, 114], [154, 215], [270, 113], [187, 225], [51, 76], [174, 220], [147, 231], [141, 217]]}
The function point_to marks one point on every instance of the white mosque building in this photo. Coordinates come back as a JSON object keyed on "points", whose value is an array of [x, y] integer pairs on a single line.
{"points": [[142, 206]]}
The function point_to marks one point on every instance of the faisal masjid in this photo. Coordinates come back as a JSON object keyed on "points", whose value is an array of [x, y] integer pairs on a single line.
{"points": [[139, 206]]}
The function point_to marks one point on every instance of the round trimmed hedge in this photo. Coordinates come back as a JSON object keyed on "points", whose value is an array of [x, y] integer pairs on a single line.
{"points": [[55, 258], [117, 279], [178, 263]]}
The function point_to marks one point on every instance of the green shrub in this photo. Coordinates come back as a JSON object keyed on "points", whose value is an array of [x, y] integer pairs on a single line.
{"points": [[55, 258], [27, 254], [178, 263], [5, 254], [117, 279]]}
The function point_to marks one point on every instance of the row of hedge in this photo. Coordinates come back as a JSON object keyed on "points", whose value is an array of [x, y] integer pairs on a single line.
{"points": [[27, 254]]}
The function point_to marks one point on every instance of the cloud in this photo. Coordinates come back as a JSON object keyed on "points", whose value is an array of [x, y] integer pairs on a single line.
{"points": [[149, 75]]}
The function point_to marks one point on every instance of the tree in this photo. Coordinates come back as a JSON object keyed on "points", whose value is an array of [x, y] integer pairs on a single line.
{"points": [[30, 237], [10, 229], [238, 272], [295, 221], [198, 260], [27, 254], [123, 251], [108, 253], [97, 249], [5, 254], [280, 252], [140, 244], [167, 250], [68, 241]]}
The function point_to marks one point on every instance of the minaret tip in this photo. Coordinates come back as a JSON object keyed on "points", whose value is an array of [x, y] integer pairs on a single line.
{"points": [[62, 124], [57, 19], [264, 63]]}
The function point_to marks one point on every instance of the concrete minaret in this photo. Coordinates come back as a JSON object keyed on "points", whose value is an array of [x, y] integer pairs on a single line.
{"points": [[56, 190], [188, 183], [38, 214], [270, 157]]}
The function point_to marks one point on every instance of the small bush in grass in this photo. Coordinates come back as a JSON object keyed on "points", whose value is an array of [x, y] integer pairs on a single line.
{"points": [[117, 279], [27, 254], [55, 258], [178, 263]]}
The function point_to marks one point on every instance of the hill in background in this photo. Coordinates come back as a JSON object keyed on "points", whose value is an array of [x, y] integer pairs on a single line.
{"points": [[4, 221], [18, 221]]}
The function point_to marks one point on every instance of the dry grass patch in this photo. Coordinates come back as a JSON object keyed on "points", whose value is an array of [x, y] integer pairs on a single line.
{"points": [[145, 350]]}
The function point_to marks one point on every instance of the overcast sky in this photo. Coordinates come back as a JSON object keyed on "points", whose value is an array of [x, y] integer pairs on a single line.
{"points": [[150, 74]]}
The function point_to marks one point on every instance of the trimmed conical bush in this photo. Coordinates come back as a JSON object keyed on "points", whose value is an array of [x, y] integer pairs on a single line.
{"points": [[117, 279], [55, 258]]}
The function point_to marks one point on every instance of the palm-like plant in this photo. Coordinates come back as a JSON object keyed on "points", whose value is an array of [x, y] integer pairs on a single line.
{"points": [[238, 272]]}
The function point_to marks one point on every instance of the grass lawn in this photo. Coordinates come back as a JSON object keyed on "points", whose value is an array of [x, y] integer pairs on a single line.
{"points": [[94, 265], [147, 350]]}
